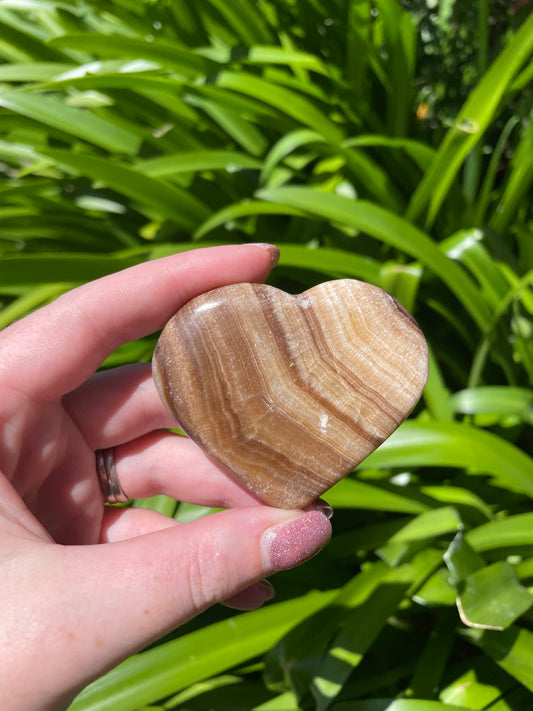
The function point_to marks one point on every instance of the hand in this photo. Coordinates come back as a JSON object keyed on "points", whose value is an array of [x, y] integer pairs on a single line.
{"points": [[84, 586]]}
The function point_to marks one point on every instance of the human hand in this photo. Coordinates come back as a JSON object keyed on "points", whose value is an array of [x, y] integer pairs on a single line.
{"points": [[83, 585]]}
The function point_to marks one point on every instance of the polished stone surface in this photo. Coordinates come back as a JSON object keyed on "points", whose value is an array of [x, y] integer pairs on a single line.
{"points": [[289, 393]]}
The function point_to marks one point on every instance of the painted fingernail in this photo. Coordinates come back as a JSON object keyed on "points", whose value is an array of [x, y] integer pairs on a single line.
{"points": [[267, 590], [292, 542], [270, 248], [322, 506]]}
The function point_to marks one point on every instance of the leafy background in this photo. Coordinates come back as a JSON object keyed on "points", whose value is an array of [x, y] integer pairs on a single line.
{"points": [[381, 140]]}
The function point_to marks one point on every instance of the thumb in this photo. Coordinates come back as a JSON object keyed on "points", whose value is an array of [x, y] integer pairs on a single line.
{"points": [[122, 596]]}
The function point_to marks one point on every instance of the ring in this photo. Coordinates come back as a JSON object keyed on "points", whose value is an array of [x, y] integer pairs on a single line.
{"points": [[107, 475]]}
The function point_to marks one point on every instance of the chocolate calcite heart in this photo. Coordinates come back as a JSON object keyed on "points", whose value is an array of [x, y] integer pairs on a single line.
{"points": [[289, 393]]}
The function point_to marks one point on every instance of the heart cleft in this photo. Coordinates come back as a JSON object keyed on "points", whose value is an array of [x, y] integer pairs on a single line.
{"points": [[290, 393]]}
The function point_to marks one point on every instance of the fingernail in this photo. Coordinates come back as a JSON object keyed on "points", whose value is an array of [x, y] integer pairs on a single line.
{"points": [[270, 248], [252, 597], [322, 506], [267, 589], [292, 542]]}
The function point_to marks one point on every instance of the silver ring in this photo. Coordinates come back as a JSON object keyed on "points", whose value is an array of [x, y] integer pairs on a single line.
{"points": [[107, 474]]}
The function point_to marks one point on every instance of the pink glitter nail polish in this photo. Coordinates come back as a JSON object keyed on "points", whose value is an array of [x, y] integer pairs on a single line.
{"points": [[322, 506], [290, 543]]}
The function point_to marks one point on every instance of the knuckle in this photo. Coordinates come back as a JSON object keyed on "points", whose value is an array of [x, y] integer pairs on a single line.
{"points": [[208, 575]]}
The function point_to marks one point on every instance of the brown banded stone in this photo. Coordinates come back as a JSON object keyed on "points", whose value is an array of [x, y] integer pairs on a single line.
{"points": [[290, 393]]}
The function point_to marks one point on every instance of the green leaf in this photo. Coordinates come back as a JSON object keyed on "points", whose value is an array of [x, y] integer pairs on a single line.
{"points": [[245, 20], [248, 208], [503, 401], [470, 124], [480, 686], [469, 247], [285, 100], [165, 505], [425, 526], [400, 38], [396, 705], [435, 657], [286, 145], [357, 494], [53, 111], [449, 444], [280, 55], [168, 200], [492, 598], [504, 533], [461, 560], [230, 120], [56, 268], [511, 649], [167, 54], [518, 182], [32, 299], [33, 72], [389, 228], [192, 161], [488, 597], [358, 630], [299, 653], [336, 262]]}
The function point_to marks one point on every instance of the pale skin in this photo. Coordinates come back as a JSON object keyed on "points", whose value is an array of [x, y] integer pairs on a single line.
{"points": [[85, 585]]}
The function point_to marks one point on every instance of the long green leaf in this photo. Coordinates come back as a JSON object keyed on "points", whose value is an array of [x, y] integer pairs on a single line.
{"points": [[449, 444], [396, 705], [36, 71], [245, 20], [192, 161], [505, 533], [53, 111], [502, 401], [285, 100], [511, 649], [392, 230], [57, 268], [470, 124], [169, 200], [168, 54]]}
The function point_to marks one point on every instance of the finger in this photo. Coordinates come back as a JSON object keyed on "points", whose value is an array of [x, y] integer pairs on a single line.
{"points": [[121, 524], [55, 349], [322, 506], [252, 597], [134, 591], [164, 463], [117, 406]]}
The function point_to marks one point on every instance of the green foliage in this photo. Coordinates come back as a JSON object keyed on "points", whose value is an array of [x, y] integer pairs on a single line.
{"points": [[130, 130]]}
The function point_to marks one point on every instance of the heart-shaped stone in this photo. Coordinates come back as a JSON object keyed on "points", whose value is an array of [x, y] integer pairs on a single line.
{"points": [[289, 393]]}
